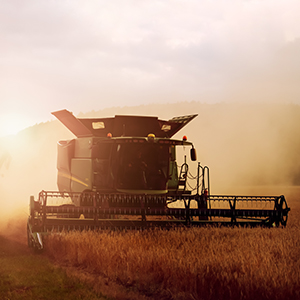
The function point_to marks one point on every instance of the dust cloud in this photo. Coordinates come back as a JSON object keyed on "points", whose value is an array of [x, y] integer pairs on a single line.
{"points": [[27, 166], [253, 148], [243, 144]]}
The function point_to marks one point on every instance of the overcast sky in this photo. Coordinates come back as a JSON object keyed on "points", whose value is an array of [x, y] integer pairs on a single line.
{"points": [[88, 55]]}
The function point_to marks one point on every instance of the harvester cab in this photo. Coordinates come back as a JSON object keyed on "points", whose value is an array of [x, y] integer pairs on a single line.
{"points": [[124, 154], [122, 173]]}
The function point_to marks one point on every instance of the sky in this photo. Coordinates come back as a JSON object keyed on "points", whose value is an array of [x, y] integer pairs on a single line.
{"points": [[90, 55]]}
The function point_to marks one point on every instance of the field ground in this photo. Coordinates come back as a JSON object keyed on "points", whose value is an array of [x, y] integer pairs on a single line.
{"points": [[198, 263], [27, 275]]}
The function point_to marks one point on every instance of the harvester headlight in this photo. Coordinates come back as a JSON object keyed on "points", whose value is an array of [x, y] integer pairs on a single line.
{"points": [[151, 137]]}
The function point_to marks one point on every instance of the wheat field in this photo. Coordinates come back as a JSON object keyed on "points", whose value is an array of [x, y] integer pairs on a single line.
{"points": [[196, 263]]}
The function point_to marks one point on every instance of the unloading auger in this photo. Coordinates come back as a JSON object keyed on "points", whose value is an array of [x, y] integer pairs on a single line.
{"points": [[122, 173]]}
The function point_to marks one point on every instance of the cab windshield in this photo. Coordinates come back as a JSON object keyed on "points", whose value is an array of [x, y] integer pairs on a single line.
{"points": [[141, 166]]}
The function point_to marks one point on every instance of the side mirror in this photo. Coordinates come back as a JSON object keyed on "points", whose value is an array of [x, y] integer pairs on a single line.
{"points": [[193, 154]]}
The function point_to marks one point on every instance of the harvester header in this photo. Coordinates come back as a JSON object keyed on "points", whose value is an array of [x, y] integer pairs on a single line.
{"points": [[122, 173]]}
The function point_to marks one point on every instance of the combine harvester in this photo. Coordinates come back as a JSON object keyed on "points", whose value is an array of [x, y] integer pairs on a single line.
{"points": [[121, 173]]}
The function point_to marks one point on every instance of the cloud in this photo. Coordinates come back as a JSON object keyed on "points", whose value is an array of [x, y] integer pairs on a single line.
{"points": [[89, 55]]}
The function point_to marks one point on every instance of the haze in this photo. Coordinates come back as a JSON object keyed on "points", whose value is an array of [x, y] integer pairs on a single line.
{"points": [[249, 148], [92, 55]]}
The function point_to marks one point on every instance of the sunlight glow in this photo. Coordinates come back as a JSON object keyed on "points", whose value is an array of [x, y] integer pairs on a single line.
{"points": [[11, 124]]}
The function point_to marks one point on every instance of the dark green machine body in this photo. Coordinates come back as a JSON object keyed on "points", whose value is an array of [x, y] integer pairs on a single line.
{"points": [[127, 154], [122, 173]]}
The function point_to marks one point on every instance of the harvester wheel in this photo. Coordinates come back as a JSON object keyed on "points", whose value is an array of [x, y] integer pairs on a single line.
{"points": [[284, 207]]}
